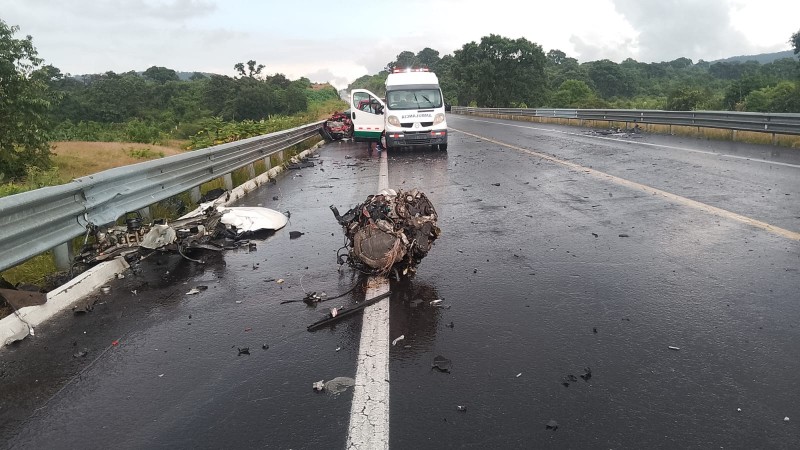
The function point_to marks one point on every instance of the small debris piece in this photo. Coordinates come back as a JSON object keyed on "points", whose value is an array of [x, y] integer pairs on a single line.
{"points": [[238, 302], [80, 354], [594, 330], [338, 385], [587, 375], [674, 348], [279, 281], [436, 302], [595, 235], [739, 409], [295, 234], [334, 312], [275, 197], [451, 325], [105, 289], [248, 329], [495, 184], [193, 291], [318, 385], [415, 303], [442, 364], [398, 339], [160, 375], [551, 425], [623, 235], [115, 342], [264, 347], [120, 276], [461, 408], [243, 351], [786, 419], [338, 348], [519, 374]]}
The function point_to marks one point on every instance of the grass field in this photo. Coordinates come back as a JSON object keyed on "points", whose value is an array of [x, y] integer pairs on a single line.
{"points": [[75, 159]]}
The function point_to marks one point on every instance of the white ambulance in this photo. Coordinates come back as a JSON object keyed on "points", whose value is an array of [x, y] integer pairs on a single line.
{"points": [[413, 113]]}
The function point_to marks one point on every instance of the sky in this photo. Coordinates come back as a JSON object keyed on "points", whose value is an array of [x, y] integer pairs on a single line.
{"points": [[340, 41]]}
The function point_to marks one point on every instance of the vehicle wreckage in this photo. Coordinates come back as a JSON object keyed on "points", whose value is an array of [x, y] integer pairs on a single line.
{"points": [[389, 232], [337, 127], [211, 226]]}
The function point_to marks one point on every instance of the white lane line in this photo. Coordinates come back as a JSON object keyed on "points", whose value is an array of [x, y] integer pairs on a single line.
{"points": [[369, 413], [649, 144], [649, 190]]}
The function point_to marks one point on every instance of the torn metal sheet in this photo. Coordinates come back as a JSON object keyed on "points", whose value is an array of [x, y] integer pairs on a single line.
{"points": [[212, 227], [251, 219]]}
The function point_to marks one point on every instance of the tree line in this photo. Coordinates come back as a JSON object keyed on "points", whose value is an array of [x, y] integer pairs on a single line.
{"points": [[40, 104], [503, 72]]}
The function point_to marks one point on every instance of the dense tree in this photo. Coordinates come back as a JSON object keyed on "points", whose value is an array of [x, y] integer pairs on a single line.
{"points": [[160, 75], [25, 101], [795, 41], [573, 94], [428, 57], [500, 72]]}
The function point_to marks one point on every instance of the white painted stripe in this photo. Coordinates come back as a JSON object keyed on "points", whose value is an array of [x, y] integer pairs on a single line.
{"points": [[650, 190], [648, 144], [369, 413]]}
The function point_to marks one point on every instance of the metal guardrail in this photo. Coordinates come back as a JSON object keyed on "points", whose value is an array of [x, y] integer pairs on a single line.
{"points": [[36, 221], [776, 123]]}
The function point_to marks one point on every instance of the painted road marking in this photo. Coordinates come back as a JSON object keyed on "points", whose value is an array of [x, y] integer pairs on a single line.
{"points": [[627, 141], [651, 190], [369, 413]]}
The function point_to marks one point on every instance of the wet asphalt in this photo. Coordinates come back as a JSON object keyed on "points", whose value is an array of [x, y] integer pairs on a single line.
{"points": [[538, 289]]}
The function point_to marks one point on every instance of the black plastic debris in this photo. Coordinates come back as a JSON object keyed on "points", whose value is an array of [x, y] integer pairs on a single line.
{"points": [[461, 408], [275, 197], [243, 351], [442, 364], [587, 375], [295, 234], [345, 312], [265, 347], [495, 184], [594, 330], [551, 425], [595, 235], [451, 325], [301, 165], [623, 235]]}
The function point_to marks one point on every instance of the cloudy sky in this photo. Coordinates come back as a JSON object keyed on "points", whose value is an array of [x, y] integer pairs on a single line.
{"points": [[340, 41]]}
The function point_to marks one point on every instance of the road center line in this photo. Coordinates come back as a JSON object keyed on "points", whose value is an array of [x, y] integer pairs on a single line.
{"points": [[650, 190], [648, 144], [369, 413]]}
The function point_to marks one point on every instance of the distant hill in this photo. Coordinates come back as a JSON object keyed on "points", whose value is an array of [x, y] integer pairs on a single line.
{"points": [[763, 58]]}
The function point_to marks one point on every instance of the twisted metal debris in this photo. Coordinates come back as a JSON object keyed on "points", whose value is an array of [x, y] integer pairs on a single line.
{"points": [[389, 232]]}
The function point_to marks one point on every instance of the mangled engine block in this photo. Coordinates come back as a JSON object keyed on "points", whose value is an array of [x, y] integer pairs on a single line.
{"points": [[390, 232]]}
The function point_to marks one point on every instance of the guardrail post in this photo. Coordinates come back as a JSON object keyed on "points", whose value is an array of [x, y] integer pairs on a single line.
{"points": [[774, 139], [63, 255], [267, 163], [195, 195], [251, 170], [734, 133], [227, 180]]}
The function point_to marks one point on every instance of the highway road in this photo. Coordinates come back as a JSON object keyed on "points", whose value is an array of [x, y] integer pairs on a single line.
{"points": [[634, 292]]}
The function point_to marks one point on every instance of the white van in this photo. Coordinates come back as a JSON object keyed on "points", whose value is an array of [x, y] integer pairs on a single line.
{"points": [[413, 113]]}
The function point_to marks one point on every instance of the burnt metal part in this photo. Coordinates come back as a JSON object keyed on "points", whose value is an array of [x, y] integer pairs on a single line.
{"points": [[389, 232], [346, 312]]}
